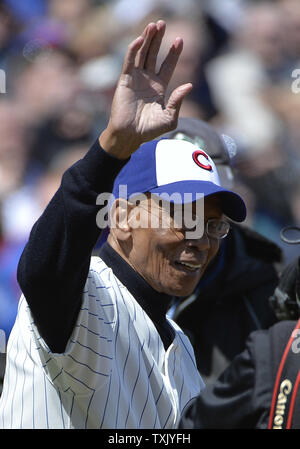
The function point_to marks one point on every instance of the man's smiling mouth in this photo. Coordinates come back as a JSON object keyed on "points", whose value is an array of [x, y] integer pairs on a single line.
{"points": [[190, 266]]}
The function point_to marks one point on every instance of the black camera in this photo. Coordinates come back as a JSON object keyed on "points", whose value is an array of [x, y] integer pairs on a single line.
{"points": [[286, 298]]}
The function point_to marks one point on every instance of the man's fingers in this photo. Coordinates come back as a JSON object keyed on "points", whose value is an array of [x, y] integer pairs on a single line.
{"points": [[148, 34], [142, 52], [176, 98], [129, 60], [168, 66], [151, 57]]}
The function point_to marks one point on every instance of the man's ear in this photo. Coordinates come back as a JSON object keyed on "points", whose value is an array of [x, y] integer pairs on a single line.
{"points": [[119, 218]]}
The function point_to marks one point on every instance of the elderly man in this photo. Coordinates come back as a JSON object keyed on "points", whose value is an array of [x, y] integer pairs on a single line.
{"points": [[91, 346]]}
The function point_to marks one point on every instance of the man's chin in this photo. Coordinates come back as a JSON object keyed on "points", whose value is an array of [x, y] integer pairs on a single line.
{"points": [[186, 287], [181, 286], [181, 291]]}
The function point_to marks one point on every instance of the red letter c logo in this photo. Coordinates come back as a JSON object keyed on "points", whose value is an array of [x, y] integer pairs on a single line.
{"points": [[198, 153]]}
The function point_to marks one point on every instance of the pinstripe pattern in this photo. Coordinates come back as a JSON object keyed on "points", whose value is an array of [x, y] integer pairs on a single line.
{"points": [[115, 372]]}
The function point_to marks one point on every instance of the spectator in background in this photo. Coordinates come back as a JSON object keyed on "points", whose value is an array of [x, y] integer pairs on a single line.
{"points": [[20, 210], [10, 252], [48, 23], [69, 12], [238, 77], [23, 207], [286, 103], [99, 28], [26, 12], [9, 289], [53, 69], [251, 66], [193, 32], [290, 10], [19, 213], [8, 26], [13, 147], [295, 201], [2, 356]]}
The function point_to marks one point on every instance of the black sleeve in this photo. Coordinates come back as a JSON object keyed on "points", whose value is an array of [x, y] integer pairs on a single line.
{"points": [[240, 398], [54, 264]]}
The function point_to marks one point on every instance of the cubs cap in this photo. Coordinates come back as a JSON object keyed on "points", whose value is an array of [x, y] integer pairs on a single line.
{"points": [[177, 169], [220, 148]]}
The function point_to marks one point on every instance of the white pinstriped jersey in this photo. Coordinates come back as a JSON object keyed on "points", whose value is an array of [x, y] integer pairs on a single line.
{"points": [[115, 372]]}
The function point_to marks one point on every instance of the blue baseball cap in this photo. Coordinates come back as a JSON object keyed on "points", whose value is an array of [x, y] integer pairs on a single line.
{"points": [[178, 170]]}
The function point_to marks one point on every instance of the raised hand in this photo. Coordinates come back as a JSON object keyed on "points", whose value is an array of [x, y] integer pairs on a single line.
{"points": [[139, 111]]}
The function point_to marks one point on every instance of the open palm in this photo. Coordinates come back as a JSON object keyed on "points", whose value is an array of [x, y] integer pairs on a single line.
{"points": [[139, 111]]}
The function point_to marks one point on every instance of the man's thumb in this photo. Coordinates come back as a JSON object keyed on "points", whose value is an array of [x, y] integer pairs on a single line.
{"points": [[176, 98]]}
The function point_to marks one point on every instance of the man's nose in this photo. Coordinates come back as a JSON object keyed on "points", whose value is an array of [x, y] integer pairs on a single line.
{"points": [[201, 243]]}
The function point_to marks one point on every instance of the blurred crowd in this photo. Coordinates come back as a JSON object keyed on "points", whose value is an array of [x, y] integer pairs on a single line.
{"points": [[62, 59]]}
